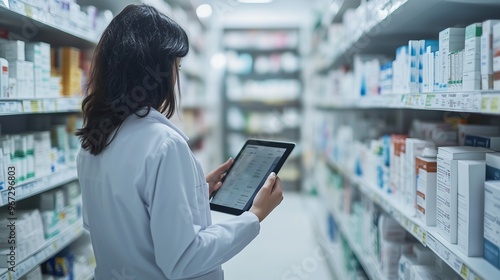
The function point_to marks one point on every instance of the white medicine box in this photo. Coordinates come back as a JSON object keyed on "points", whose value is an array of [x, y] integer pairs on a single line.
{"points": [[471, 177], [447, 186], [426, 189], [491, 246]]}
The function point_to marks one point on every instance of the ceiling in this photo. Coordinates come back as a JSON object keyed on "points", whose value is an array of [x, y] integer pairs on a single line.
{"points": [[277, 13], [233, 13]]}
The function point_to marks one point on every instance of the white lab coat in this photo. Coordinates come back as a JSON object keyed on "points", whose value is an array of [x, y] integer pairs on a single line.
{"points": [[145, 203]]}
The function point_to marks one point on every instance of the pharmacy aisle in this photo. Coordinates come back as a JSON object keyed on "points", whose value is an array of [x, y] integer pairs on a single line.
{"points": [[289, 226], [405, 113]]}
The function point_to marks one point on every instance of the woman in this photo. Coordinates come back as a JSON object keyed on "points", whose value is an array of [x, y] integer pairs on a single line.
{"points": [[145, 197]]}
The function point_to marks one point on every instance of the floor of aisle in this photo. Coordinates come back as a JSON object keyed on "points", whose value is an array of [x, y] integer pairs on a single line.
{"points": [[286, 248]]}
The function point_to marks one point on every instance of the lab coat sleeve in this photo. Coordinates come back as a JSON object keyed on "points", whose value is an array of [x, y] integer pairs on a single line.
{"points": [[84, 207], [182, 248]]}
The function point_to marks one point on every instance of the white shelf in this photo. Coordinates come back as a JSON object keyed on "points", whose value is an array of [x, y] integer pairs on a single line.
{"points": [[39, 185], [41, 24], [412, 18], [20, 106], [47, 250], [469, 268], [368, 262], [485, 102], [87, 275]]}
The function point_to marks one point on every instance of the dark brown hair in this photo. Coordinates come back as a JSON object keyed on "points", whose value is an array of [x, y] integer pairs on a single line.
{"points": [[134, 67]]}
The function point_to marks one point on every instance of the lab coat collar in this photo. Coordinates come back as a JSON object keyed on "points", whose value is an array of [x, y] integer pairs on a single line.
{"points": [[153, 113]]}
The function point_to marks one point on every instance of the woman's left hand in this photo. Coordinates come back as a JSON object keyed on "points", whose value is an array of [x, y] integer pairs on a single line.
{"points": [[214, 178]]}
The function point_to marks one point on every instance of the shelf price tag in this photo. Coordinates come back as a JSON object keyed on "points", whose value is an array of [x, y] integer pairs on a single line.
{"points": [[464, 271], [415, 230], [429, 101], [27, 10], [477, 277], [424, 237], [453, 101], [485, 102], [494, 104]]}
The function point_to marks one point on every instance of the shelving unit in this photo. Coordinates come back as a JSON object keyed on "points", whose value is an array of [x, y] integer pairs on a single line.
{"points": [[39, 185], [262, 84], [484, 102], [33, 23], [391, 23], [39, 106], [28, 21], [467, 267], [379, 28], [50, 248]]}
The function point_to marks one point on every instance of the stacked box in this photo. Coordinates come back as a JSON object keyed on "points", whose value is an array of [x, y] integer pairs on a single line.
{"points": [[472, 57], [426, 168], [465, 129], [496, 56], [485, 141], [70, 71], [39, 54], [491, 245], [42, 153], [20, 71], [427, 48], [414, 148], [413, 62], [398, 146], [471, 176], [386, 78], [400, 71], [4, 77], [493, 166], [455, 74], [450, 40], [487, 54], [447, 187], [438, 73], [12, 50]]}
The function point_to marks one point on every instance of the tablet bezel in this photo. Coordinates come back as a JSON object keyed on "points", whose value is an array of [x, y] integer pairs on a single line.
{"points": [[289, 146]]}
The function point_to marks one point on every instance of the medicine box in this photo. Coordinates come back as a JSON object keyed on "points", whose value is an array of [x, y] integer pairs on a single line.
{"points": [[471, 177], [12, 50], [496, 56], [427, 48], [397, 147], [475, 129], [426, 169], [487, 54], [4, 77], [450, 40], [414, 148], [491, 246], [489, 142], [406, 261], [423, 272], [39, 54], [493, 166], [52, 201], [447, 186]]}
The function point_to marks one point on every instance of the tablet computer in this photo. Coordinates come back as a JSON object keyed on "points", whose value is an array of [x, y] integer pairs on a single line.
{"points": [[251, 167]]}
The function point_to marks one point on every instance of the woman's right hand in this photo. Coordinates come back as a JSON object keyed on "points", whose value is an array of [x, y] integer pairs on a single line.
{"points": [[268, 197]]}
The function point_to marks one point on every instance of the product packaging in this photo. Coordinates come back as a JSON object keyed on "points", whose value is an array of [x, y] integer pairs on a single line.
{"points": [[447, 186], [471, 176], [491, 246]]}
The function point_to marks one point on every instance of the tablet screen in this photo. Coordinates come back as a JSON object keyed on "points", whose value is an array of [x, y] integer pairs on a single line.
{"points": [[249, 172]]}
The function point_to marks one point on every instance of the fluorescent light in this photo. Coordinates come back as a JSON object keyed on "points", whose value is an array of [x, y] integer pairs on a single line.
{"points": [[255, 1], [218, 61], [204, 11]]}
